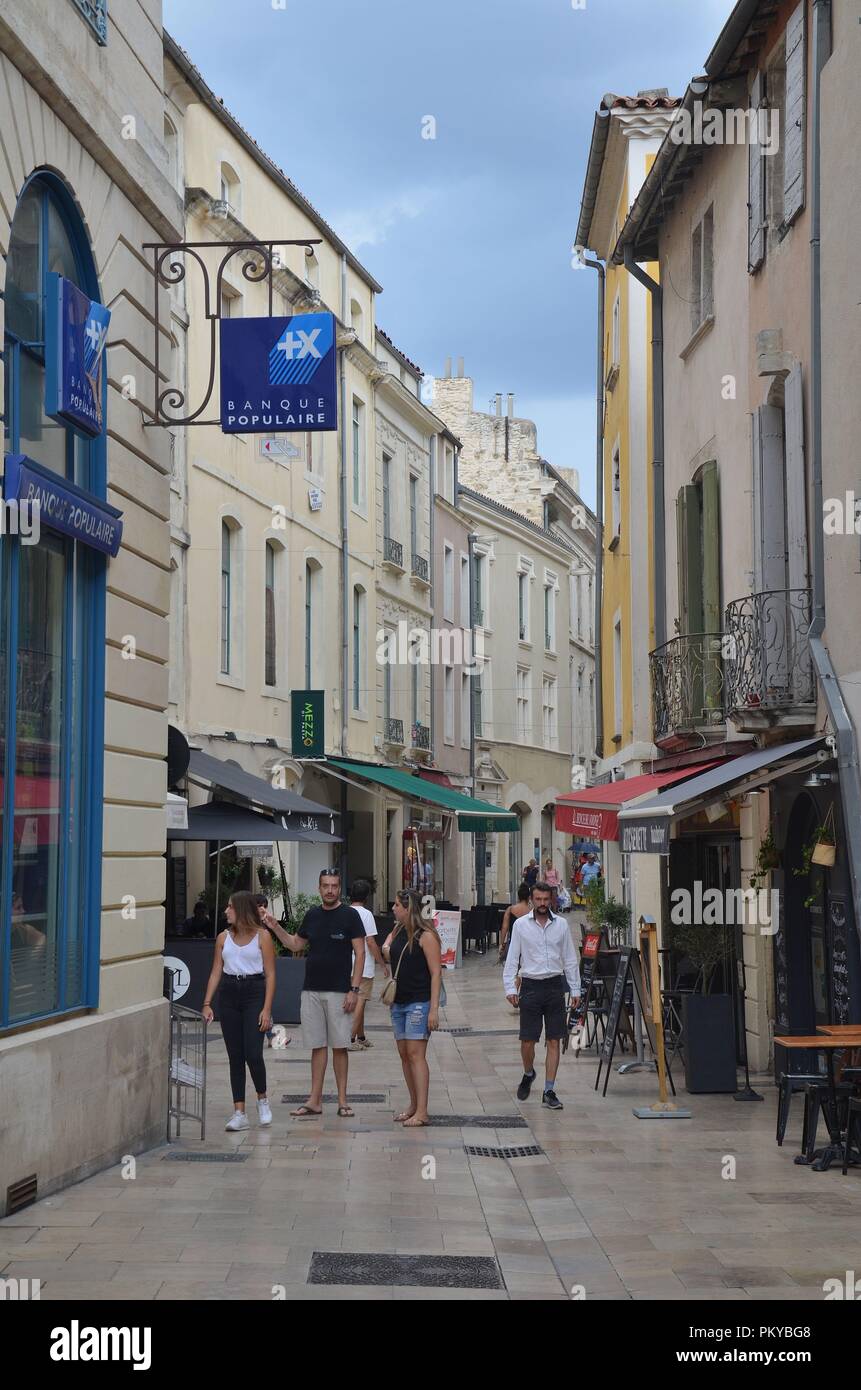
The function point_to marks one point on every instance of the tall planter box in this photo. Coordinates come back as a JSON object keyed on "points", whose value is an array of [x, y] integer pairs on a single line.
{"points": [[709, 1043]]}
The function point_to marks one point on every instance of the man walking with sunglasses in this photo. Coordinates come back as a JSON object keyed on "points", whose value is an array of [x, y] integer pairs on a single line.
{"points": [[542, 953]]}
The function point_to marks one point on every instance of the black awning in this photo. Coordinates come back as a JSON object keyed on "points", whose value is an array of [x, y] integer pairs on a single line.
{"points": [[221, 820], [229, 775]]}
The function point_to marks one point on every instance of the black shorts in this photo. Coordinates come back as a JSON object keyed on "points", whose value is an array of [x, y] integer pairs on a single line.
{"points": [[542, 1002]]}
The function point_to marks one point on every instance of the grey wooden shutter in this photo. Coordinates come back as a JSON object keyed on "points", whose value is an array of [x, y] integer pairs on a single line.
{"points": [[769, 556], [794, 142], [796, 509], [756, 188], [711, 588]]}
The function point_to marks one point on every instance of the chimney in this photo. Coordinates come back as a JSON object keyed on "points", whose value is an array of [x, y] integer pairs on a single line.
{"points": [[499, 403], [511, 405], [460, 366], [447, 367]]}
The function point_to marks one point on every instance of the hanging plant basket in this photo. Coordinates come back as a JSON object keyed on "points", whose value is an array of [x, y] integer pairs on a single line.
{"points": [[825, 849]]}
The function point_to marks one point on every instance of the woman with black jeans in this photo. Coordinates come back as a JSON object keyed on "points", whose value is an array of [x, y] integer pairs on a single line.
{"points": [[244, 967]]}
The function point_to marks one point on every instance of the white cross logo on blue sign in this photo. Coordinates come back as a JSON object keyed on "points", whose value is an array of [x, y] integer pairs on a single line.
{"points": [[94, 333], [300, 345]]}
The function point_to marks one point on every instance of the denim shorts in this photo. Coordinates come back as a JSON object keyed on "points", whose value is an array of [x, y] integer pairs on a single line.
{"points": [[410, 1021]]}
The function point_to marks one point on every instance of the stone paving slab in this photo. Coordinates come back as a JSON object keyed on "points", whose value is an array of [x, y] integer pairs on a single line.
{"points": [[628, 1211]]}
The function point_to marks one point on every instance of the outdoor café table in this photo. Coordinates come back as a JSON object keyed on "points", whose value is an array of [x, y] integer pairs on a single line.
{"points": [[848, 1031], [829, 1044]]}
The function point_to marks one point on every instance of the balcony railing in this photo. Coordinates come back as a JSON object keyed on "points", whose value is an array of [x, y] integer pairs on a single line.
{"points": [[687, 685], [393, 552], [477, 616], [420, 736], [769, 670], [394, 732], [420, 568]]}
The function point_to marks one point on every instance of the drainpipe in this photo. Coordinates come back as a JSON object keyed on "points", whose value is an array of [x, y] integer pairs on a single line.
{"points": [[599, 505], [471, 552], [345, 568], [847, 752], [659, 538]]}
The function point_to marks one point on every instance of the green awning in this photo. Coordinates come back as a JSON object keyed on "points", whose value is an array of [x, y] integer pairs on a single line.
{"points": [[473, 815]]}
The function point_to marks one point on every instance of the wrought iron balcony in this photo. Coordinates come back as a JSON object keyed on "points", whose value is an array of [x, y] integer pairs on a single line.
{"points": [[393, 552], [769, 670], [477, 616], [394, 732], [687, 685], [420, 568], [420, 736]]}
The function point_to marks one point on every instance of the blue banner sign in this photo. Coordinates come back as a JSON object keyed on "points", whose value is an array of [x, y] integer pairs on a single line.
{"points": [[63, 506], [76, 328], [278, 374]]}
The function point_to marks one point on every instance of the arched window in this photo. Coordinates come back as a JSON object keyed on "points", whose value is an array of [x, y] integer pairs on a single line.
{"points": [[230, 190], [171, 144], [357, 318], [52, 634]]}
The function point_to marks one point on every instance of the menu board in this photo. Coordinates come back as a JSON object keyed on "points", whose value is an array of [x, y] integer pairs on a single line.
{"points": [[616, 1003], [839, 959]]}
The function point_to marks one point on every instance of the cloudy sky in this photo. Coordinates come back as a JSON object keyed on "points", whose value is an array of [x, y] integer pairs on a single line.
{"points": [[469, 232]]}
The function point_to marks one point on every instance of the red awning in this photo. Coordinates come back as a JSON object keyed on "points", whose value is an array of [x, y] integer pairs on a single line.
{"points": [[433, 774], [594, 812]]}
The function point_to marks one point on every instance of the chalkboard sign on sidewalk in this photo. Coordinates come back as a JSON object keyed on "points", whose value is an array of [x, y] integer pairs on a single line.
{"points": [[590, 951], [629, 967]]}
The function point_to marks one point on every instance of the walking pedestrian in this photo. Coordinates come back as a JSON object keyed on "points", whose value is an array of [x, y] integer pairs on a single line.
{"points": [[530, 873], [552, 879], [359, 894], [335, 937], [415, 956], [542, 949], [512, 912], [243, 970], [591, 870]]}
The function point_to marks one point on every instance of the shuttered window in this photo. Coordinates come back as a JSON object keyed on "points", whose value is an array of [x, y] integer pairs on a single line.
{"points": [[756, 188], [769, 526], [702, 270], [796, 512], [795, 108], [271, 650]]}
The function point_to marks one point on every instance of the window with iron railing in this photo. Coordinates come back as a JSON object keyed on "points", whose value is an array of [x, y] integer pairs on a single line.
{"points": [[95, 12]]}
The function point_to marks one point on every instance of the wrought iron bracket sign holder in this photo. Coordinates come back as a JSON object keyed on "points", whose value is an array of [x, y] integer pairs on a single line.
{"points": [[169, 265]]}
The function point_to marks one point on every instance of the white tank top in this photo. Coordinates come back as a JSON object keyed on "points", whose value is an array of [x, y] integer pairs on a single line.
{"points": [[242, 960]]}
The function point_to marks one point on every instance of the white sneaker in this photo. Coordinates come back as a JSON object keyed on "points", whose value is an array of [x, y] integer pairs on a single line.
{"points": [[239, 1121], [264, 1112]]}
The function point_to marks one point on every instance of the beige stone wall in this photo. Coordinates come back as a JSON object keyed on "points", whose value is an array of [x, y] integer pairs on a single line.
{"points": [[513, 480], [81, 1092]]}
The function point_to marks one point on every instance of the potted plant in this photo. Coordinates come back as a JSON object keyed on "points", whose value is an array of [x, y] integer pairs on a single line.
{"points": [[820, 849], [767, 859], [707, 1017]]}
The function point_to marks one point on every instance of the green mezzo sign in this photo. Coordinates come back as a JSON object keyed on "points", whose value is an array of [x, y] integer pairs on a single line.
{"points": [[307, 723]]}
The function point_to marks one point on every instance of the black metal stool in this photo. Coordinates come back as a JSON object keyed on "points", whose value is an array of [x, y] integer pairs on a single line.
{"points": [[789, 1083], [853, 1118], [817, 1097]]}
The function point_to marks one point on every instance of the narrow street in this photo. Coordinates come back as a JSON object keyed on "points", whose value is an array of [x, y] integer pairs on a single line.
{"points": [[625, 1208]]}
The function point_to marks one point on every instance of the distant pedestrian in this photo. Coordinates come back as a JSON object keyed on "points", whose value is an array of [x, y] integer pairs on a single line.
{"points": [[515, 910], [359, 895], [590, 871], [335, 937], [415, 956], [542, 950], [530, 873], [243, 971], [552, 879]]}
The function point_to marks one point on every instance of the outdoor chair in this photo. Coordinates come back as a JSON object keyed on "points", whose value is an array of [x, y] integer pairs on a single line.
{"points": [[853, 1117]]}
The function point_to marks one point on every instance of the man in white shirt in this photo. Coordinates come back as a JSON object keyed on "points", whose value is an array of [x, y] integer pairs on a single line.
{"points": [[359, 895], [542, 953]]}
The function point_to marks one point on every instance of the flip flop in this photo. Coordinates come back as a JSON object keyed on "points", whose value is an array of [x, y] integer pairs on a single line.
{"points": [[413, 1123], [305, 1112], [404, 1115], [345, 1111]]}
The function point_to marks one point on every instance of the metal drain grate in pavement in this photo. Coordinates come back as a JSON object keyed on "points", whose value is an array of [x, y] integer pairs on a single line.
{"points": [[479, 1121], [232, 1157], [481, 1151], [415, 1271], [458, 1031], [376, 1099]]}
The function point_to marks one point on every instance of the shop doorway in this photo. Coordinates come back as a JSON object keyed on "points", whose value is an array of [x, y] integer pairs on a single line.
{"points": [[803, 951]]}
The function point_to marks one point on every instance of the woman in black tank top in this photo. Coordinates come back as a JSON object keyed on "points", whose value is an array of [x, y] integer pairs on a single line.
{"points": [[413, 949]]}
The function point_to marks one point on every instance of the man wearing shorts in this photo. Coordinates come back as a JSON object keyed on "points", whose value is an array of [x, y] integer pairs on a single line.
{"points": [[542, 953], [359, 894], [334, 964]]}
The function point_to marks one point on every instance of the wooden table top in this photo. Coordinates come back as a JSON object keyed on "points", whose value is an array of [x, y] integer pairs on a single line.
{"points": [[820, 1040], [840, 1030]]}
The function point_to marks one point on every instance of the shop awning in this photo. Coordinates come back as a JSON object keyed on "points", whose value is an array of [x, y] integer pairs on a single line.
{"points": [[473, 815], [645, 827], [594, 812], [232, 778], [222, 820]]}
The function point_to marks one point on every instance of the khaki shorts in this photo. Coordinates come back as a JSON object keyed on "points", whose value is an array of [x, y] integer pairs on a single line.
{"points": [[325, 1023], [366, 988]]}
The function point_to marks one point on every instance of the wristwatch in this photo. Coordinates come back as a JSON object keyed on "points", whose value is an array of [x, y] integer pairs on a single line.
{"points": [[354, 989]]}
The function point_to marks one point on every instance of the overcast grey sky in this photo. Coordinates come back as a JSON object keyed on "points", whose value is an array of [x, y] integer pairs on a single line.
{"points": [[469, 233]]}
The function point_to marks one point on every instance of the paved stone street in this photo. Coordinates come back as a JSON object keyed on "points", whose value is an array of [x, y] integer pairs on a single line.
{"points": [[629, 1209]]}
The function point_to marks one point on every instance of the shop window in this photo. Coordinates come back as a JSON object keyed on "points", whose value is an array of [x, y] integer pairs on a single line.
{"points": [[52, 598]]}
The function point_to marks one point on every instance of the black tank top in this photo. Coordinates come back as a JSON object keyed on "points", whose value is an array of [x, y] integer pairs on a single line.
{"points": [[414, 977]]}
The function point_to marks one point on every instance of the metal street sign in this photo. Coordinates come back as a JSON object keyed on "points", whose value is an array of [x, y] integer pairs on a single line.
{"points": [[272, 447]]}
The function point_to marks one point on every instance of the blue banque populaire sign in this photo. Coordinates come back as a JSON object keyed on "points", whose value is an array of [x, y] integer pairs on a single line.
{"points": [[63, 506], [76, 329], [278, 374]]}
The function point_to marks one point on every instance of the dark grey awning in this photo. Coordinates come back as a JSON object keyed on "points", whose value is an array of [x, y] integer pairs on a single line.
{"points": [[647, 823], [233, 778], [221, 820]]}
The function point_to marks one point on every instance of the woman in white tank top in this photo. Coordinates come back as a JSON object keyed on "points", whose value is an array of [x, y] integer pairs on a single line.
{"points": [[243, 970]]}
